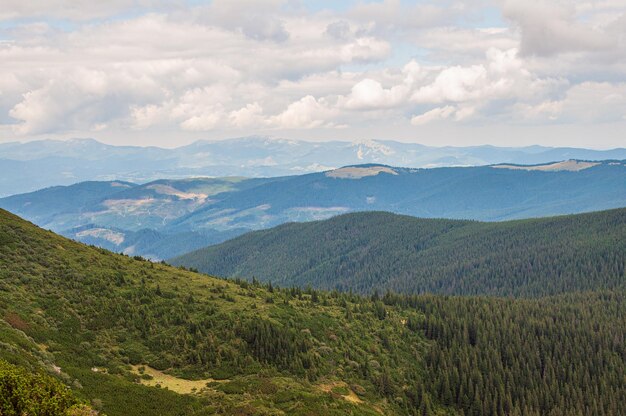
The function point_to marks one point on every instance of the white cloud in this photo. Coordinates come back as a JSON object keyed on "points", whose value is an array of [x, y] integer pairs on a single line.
{"points": [[370, 94], [249, 116], [244, 66], [306, 113], [439, 113], [453, 84], [456, 113], [76, 9], [78, 99]]}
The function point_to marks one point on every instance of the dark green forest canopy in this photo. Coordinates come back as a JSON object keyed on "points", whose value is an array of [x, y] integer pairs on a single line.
{"points": [[298, 351], [364, 252]]}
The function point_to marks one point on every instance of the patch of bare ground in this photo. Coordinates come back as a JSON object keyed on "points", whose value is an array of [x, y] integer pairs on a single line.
{"points": [[355, 172], [153, 377], [568, 165], [339, 388]]}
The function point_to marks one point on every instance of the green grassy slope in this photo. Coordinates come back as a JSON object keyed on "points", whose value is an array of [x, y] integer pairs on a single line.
{"points": [[81, 308], [106, 325], [371, 251]]}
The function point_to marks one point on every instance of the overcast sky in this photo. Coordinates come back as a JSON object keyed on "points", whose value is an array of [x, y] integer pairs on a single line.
{"points": [[168, 72]]}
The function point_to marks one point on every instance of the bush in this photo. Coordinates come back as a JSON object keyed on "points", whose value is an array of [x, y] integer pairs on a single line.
{"points": [[27, 393]]}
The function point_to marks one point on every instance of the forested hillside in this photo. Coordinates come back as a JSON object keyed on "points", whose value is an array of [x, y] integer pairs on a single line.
{"points": [[138, 338], [104, 323], [562, 355], [364, 252]]}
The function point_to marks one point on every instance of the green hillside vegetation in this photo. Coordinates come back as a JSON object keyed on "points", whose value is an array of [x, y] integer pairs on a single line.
{"points": [[24, 392], [269, 351], [364, 252], [112, 328]]}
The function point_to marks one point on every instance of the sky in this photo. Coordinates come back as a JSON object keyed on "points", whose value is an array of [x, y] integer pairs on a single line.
{"points": [[169, 72]]}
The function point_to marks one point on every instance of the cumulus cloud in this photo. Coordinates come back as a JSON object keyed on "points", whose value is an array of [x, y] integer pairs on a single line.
{"points": [[306, 113], [369, 93], [249, 116], [273, 65]]}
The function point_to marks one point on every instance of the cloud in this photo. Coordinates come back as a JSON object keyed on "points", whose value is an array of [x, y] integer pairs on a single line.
{"points": [[245, 67], [77, 9], [395, 15], [306, 113], [465, 43], [338, 30], [550, 28], [256, 19], [588, 102], [370, 94], [249, 116], [456, 113], [79, 99], [453, 84], [439, 113]]}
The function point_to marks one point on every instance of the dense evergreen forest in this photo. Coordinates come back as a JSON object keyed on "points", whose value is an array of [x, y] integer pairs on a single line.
{"points": [[125, 334], [363, 252], [561, 355]]}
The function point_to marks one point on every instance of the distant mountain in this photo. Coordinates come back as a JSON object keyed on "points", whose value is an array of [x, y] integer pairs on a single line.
{"points": [[34, 165], [126, 217], [364, 252], [147, 242], [489, 193], [172, 216]]}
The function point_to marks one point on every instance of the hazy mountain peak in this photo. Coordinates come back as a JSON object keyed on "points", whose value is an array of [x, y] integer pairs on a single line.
{"points": [[34, 165], [372, 148]]}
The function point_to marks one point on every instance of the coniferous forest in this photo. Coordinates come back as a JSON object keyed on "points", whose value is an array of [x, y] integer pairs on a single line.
{"points": [[124, 334], [363, 252]]}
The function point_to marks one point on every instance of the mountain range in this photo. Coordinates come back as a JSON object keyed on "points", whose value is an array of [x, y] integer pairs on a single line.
{"points": [[169, 217], [29, 166]]}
